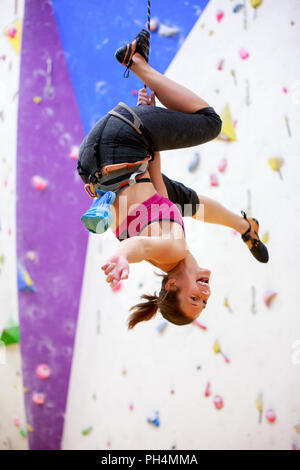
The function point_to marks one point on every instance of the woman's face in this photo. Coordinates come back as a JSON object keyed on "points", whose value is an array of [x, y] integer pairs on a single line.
{"points": [[195, 291]]}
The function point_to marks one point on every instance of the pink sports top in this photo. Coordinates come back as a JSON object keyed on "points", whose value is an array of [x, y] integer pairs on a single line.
{"points": [[151, 210]]}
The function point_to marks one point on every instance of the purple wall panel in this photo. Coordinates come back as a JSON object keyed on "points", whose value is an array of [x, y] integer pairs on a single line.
{"points": [[48, 221]]}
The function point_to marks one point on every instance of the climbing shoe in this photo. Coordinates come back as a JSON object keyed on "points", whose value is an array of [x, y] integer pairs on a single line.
{"points": [[140, 44], [255, 245]]}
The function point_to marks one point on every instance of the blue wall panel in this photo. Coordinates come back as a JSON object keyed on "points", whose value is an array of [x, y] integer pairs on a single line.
{"points": [[92, 30]]}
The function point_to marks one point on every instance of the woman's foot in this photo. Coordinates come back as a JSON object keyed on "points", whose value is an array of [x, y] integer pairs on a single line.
{"points": [[251, 238], [139, 45]]}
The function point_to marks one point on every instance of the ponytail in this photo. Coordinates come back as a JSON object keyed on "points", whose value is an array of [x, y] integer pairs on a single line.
{"points": [[143, 311]]}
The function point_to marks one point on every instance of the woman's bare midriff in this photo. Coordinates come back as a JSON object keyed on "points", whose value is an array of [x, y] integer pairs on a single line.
{"points": [[130, 198]]}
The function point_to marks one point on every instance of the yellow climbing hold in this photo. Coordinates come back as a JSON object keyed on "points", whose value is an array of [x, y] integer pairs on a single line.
{"points": [[30, 428], [265, 237], [25, 389], [276, 163], [37, 99], [227, 132], [259, 403], [13, 32], [216, 347], [255, 3]]}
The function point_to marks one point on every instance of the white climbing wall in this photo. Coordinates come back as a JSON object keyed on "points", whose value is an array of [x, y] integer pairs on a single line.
{"points": [[11, 389], [120, 378]]}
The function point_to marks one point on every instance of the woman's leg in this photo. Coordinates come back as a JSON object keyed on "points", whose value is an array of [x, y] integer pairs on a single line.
{"points": [[215, 213], [171, 94]]}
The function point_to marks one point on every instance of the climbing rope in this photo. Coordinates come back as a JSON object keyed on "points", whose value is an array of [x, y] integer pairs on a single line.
{"points": [[148, 23]]}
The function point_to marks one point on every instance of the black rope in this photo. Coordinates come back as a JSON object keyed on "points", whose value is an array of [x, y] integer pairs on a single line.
{"points": [[148, 23]]}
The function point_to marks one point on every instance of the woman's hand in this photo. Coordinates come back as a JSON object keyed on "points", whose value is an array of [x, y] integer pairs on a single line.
{"points": [[145, 99], [116, 268]]}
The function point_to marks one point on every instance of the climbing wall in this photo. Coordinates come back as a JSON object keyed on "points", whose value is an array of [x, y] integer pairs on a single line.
{"points": [[231, 379], [218, 383]]}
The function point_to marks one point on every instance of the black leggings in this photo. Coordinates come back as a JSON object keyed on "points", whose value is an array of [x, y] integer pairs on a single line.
{"points": [[168, 130]]}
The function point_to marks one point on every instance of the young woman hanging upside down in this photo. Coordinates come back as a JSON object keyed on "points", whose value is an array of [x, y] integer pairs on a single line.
{"points": [[152, 228]]}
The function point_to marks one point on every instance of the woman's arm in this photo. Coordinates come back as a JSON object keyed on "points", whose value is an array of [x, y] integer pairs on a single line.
{"points": [[136, 249]]}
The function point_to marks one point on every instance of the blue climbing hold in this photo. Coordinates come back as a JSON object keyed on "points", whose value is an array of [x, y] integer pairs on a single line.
{"points": [[194, 163]]}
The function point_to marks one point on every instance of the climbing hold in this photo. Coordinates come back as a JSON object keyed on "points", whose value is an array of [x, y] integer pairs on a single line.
{"points": [[25, 283], [25, 390], [10, 335], [265, 238], [218, 402], [153, 24], [172, 392], [237, 7], [219, 15], [217, 350], [134, 92], [276, 163], [295, 447], [162, 326], [297, 427], [37, 99], [226, 304], [38, 398], [214, 180], [39, 183], [154, 419], [43, 371], [211, 33], [233, 74], [87, 431], [124, 371], [168, 31], [140, 285], [23, 433], [200, 325], [268, 297], [255, 3], [2, 258], [198, 367], [243, 54], [221, 64], [32, 256], [284, 90], [117, 286], [13, 34], [73, 155], [222, 165], [30, 428], [270, 416], [108, 444], [194, 163], [207, 391], [131, 407], [259, 405], [227, 132], [16, 421]]}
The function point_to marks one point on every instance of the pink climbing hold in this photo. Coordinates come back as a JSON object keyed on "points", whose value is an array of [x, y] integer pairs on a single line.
{"points": [[117, 286], [134, 92], [32, 256], [284, 90], [268, 297], [218, 402], [11, 31], [16, 421], [243, 54], [222, 165], [221, 64], [39, 183], [131, 407], [153, 25], [38, 398], [74, 152], [43, 371], [270, 416], [214, 180], [219, 15], [207, 392], [200, 325]]}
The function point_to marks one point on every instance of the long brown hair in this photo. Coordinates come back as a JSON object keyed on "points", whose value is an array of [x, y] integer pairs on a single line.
{"points": [[166, 302]]}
